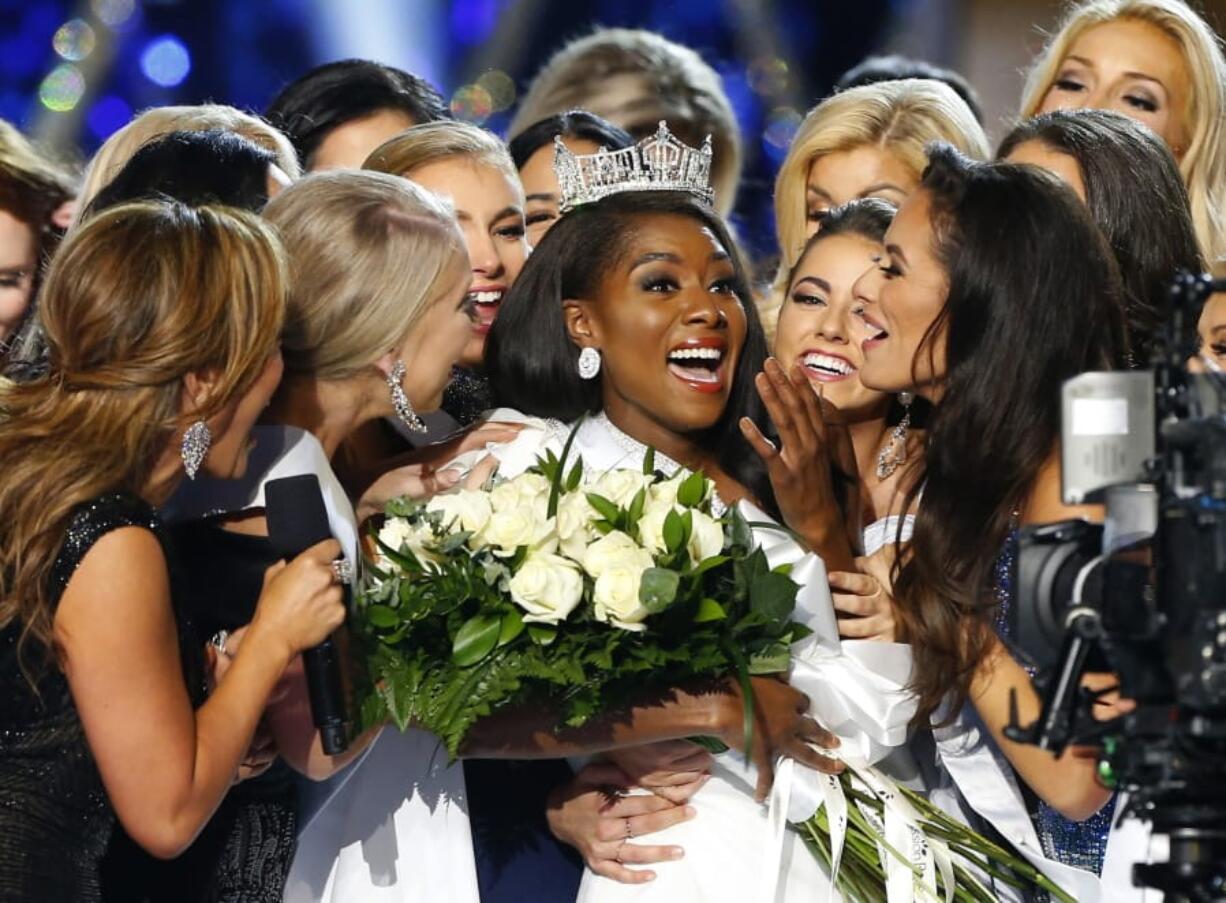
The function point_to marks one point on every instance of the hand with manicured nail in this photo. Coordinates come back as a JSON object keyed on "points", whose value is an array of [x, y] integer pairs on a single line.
{"points": [[803, 472]]}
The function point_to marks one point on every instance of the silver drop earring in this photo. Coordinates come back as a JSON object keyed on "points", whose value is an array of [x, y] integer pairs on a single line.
{"points": [[589, 363], [895, 451], [196, 441], [400, 401]]}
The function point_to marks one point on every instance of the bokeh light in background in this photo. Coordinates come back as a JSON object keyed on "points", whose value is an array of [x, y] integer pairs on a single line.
{"points": [[74, 71], [74, 40], [165, 61], [62, 89]]}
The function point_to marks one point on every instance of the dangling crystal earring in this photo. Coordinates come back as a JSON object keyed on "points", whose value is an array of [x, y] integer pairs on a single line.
{"points": [[895, 451], [400, 401], [196, 441], [589, 363]]}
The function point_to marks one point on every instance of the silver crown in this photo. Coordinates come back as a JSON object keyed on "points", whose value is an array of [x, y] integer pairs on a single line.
{"points": [[658, 163]]}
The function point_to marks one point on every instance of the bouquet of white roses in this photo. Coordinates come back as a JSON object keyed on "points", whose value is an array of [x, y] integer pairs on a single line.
{"points": [[581, 592], [575, 590]]}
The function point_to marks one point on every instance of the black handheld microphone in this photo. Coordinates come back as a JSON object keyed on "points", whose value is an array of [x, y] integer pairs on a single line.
{"points": [[297, 520]]}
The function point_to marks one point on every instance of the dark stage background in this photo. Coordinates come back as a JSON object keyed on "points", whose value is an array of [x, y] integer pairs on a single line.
{"points": [[73, 71]]}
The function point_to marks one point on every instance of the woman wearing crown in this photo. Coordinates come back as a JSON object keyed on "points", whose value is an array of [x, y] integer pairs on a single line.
{"points": [[657, 298], [643, 332]]}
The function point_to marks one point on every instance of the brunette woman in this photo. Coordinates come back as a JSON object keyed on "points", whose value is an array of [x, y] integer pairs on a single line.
{"points": [[162, 325]]}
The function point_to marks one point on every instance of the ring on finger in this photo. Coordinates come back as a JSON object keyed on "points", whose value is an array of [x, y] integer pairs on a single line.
{"points": [[617, 854], [218, 642], [629, 831], [342, 571]]}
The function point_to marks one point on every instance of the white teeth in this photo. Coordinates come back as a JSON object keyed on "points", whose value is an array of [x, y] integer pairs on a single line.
{"points": [[696, 354], [486, 297], [827, 362]]}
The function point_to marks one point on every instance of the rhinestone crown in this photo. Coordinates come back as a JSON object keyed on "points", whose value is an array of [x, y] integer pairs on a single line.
{"points": [[658, 163]]}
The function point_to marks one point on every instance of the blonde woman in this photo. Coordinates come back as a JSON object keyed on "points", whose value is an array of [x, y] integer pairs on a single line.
{"points": [[1160, 63], [361, 341], [635, 78], [863, 142], [163, 324], [157, 122]]}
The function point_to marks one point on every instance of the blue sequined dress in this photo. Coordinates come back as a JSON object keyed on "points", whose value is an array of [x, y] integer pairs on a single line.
{"points": [[1079, 844]]}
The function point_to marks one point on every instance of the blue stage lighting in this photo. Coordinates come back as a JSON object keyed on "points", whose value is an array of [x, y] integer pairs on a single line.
{"points": [[165, 61]]}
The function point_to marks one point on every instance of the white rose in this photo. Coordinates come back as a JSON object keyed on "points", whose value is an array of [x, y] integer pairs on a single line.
{"points": [[615, 550], [397, 533], [527, 489], [619, 486], [574, 525], [468, 509], [615, 598], [522, 526], [707, 537], [651, 526], [547, 587], [665, 492]]}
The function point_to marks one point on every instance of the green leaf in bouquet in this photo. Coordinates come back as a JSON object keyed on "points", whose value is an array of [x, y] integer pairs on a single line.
{"points": [[635, 511], [774, 659], [773, 596], [604, 508], [512, 626], [400, 682], [476, 639], [382, 616], [658, 589], [402, 507], [453, 542], [693, 490], [649, 461], [575, 477], [555, 480], [542, 634], [402, 557], [709, 610], [674, 532], [709, 564], [741, 534], [713, 745]]}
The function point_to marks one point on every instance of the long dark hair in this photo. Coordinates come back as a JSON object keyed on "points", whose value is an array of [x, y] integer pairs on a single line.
{"points": [[1034, 298], [532, 360], [310, 107], [571, 124], [1136, 196]]}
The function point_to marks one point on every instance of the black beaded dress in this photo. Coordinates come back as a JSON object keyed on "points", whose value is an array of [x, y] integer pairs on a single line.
{"points": [[55, 818], [243, 854]]}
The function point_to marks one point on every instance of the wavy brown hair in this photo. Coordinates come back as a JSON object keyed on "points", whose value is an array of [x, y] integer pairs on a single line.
{"points": [[135, 299], [1034, 299]]}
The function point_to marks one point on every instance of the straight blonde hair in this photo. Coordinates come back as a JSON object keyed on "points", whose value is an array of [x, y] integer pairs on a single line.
{"points": [[686, 91], [369, 253], [135, 299], [901, 117], [156, 122], [1203, 164], [430, 142]]}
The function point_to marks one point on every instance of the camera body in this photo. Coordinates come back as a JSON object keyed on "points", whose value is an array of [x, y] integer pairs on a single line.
{"points": [[1142, 595]]}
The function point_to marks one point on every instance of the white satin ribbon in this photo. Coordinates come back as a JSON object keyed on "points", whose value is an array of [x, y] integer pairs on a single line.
{"points": [[858, 691]]}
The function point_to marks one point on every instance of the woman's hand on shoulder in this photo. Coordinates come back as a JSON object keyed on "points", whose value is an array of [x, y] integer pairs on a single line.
{"points": [[592, 813]]}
